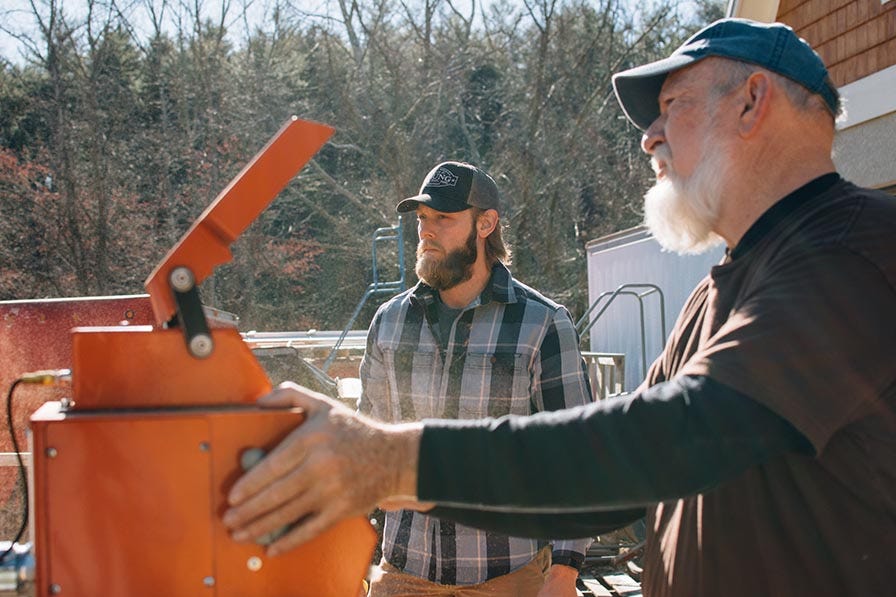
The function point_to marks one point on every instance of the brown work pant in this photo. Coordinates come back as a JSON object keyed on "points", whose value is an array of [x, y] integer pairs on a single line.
{"points": [[388, 581]]}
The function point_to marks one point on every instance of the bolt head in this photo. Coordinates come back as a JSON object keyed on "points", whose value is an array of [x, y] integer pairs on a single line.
{"points": [[201, 345], [181, 279]]}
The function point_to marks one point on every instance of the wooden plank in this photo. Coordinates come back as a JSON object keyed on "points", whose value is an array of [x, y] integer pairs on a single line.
{"points": [[785, 6], [806, 13], [885, 54], [595, 586], [623, 584]]}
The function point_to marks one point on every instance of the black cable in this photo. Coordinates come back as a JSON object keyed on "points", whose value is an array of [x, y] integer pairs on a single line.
{"points": [[22, 472]]}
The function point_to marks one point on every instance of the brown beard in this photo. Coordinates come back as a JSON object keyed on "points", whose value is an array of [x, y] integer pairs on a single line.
{"points": [[455, 267]]}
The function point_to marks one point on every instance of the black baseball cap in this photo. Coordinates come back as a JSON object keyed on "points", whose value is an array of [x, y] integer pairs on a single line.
{"points": [[773, 46], [452, 187]]}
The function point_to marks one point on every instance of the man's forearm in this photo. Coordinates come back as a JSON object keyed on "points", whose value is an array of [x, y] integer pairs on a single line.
{"points": [[675, 439], [401, 453]]}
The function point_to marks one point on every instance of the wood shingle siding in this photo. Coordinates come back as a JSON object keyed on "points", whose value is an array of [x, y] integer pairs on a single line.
{"points": [[855, 38]]}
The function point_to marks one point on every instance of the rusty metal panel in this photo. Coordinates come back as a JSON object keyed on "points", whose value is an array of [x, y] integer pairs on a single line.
{"points": [[36, 334]]}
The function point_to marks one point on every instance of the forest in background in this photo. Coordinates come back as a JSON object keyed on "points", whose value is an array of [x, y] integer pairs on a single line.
{"points": [[121, 122]]}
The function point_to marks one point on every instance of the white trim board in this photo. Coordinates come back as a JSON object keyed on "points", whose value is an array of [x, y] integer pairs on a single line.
{"points": [[869, 97], [758, 10]]}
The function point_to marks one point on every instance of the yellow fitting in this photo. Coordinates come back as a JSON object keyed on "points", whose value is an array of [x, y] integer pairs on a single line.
{"points": [[48, 377]]}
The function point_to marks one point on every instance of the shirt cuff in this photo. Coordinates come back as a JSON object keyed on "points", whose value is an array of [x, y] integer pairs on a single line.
{"points": [[570, 552]]}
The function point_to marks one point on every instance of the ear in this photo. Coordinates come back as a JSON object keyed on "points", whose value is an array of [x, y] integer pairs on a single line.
{"points": [[756, 95], [486, 223]]}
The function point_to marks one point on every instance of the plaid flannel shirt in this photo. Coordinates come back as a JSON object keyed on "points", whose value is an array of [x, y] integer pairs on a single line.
{"points": [[512, 351]]}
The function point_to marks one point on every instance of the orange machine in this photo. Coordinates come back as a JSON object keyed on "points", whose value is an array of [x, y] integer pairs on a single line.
{"points": [[130, 475]]}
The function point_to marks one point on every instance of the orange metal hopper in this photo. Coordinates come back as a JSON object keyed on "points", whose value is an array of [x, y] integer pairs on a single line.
{"points": [[130, 477]]}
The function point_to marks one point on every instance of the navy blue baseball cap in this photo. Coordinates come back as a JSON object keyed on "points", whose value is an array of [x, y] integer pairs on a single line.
{"points": [[773, 46], [453, 187]]}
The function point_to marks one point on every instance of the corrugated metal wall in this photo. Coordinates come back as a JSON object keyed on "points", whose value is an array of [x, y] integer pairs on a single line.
{"points": [[634, 257]]}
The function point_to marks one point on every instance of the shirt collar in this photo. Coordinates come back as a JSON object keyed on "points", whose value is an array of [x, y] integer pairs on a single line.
{"points": [[499, 289], [780, 211]]}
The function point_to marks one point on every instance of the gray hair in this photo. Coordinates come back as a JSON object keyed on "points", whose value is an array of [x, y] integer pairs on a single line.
{"points": [[735, 72]]}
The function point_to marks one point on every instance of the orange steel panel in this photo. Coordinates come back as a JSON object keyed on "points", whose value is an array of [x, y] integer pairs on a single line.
{"points": [[333, 564], [123, 507], [207, 243], [130, 504], [139, 366]]}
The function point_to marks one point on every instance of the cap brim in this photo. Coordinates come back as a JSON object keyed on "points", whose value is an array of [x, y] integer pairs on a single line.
{"points": [[638, 89], [435, 202]]}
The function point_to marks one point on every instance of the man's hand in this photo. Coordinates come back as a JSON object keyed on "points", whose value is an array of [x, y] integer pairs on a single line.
{"points": [[560, 581], [335, 465]]}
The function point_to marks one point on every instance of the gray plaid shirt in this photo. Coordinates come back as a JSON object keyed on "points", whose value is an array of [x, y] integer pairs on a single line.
{"points": [[512, 351]]}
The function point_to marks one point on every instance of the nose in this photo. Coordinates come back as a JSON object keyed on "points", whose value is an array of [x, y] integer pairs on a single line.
{"points": [[424, 230], [653, 136]]}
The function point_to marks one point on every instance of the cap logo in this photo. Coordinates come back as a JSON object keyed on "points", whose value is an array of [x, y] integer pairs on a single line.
{"points": [[442, 178]]}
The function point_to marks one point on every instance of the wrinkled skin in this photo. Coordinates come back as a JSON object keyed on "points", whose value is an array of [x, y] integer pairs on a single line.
{"points": [[335, 465]]}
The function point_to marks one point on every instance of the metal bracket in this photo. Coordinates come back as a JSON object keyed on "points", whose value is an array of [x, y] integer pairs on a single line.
{"points": [[190, 313]]}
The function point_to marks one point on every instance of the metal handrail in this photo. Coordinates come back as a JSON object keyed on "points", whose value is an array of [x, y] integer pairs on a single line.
{"points": [[375, 287], [611, 296]]}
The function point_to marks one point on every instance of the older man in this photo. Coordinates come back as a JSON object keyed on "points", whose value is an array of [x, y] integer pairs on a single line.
{"points": [[762, 441]]}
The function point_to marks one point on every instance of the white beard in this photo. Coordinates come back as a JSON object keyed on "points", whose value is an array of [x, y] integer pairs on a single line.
{"points": [[680, 213]]}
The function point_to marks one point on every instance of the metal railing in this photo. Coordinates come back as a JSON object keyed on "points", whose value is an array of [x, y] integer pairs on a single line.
{"points": [[377, 286], [584, 324], [302, 349]]}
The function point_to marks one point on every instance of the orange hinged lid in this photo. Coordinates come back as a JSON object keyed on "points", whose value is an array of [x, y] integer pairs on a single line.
{"points": [[207, 243]]}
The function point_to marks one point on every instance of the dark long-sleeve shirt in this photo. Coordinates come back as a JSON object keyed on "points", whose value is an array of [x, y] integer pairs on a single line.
{"points": [[673, 439]]}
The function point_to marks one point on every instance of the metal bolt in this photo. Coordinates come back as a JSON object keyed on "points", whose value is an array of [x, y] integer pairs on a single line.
{"points": [[52, 453], [204, 446], [209, 581], [201, 345], [55, 589], [250, 457], [181, 279], [66, 404], [254, 563]]}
